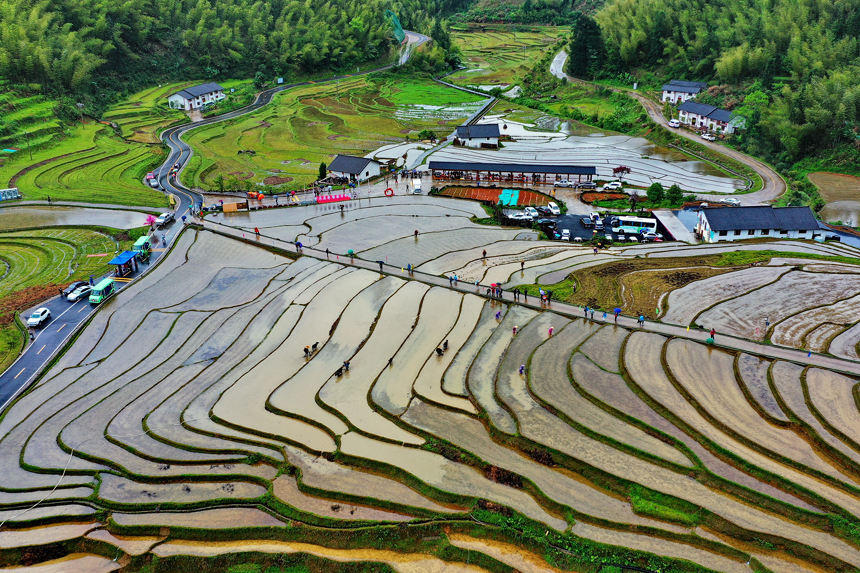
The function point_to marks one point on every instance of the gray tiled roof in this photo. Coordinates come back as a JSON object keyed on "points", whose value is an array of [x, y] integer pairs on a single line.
{"points": [[684, 87], [702, 109], [197, 91], [721, 115], [478, 130], [764, 217], [349, 164], [513, 167]]}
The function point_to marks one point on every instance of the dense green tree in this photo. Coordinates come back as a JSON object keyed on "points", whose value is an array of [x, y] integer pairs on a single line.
{"points": [[323, 170], [587, 52], [655, 193], [675, 195]]}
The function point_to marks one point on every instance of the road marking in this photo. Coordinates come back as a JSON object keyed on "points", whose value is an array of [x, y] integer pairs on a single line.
{"points": [[82, 308], [58, 330], [119, 280], [40, 351], [18, 374]]}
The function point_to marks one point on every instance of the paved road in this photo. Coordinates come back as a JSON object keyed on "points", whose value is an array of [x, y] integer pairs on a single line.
{"points": [[774, 185]]}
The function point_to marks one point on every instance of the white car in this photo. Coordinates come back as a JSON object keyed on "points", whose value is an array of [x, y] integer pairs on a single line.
{"points": [[518, 217], [709, 136], [733, 202], [83, 290], [565, 234], [163, 219], [577, 239], [612, 186], [39, 317], [554, 209], [532, 212], [565, 183], [674, 123], [651, 236], [632, 239]]}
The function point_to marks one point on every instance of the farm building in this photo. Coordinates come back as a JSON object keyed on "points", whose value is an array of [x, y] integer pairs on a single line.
{"points": [[509, 172], [704, 115], [196, 97], [678, 91], [484, 135], [352, 167], [738, 223]]}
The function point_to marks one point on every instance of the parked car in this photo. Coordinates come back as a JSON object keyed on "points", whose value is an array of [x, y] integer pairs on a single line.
{"points": [[674, 123], [565, 183], [598, 226], [586, 185], [650, 236], [518, 217], [577, 239], [39, 317], [80, 292], [594, 216], [545, 211], [612, 186], [163, 219], [68, 290], [547, 224], [709, 136], [554, 209], [565, 234], [632, 239], [732, 201], [531, 212], [587, 222], [619, 238]]}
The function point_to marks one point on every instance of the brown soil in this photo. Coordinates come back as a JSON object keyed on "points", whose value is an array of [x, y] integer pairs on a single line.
{"points": [[333, 137], [836, 186], [276, 170], [276, 180], [29, 168], [442, 122], [25, 298], [404, 131], [241, 175], [265, 124], [591, 197]]}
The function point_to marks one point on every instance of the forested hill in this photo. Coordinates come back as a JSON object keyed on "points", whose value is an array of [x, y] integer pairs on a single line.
{"points": [[93, 45]]}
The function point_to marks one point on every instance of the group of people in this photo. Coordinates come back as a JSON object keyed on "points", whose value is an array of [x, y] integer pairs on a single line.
{"points": [[311, 350], [443, 349], [345, 368]]}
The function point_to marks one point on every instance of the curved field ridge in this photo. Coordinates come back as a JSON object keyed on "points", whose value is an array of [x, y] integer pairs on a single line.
{"points": [[210, 400]]}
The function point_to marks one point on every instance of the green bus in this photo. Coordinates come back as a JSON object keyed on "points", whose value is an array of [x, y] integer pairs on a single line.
{"points": [[101, 291], [142, 248]]}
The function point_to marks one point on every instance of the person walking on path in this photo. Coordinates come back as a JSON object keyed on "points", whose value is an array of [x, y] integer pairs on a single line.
{"points": [[484, 255], [456, 279], [548, 297], [525, 295], [515, 331], [592, 314], [522, 369], [416, 233], [550, 331], [522, 266], [641, 321], [499, 315], [574, 288], [299, 247], [595, 250], [327, 253], [451, 281], [380, 265], [257, 232], [604, 316], [713, 332], [585, 311], [617, 312]]}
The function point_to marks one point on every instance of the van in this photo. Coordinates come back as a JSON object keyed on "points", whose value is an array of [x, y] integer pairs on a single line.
{"points": [[142, 248], [101, 291], [674, 123], [416, 186]]}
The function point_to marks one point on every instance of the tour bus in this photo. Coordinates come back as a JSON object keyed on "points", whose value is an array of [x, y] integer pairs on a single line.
{"points": [[101, 291], [142, 248], [633, 225]]}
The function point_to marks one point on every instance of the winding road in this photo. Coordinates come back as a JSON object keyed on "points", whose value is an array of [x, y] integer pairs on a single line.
{"points": [[774, 185], [180, 152]]}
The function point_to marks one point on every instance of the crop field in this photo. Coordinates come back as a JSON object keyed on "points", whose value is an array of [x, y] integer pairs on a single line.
{"points": [[309, 125], [91, 166], [35, 263], [525, 198], [836, 186], [31, 118], [499, 56], [143, 115], [203, 420]]}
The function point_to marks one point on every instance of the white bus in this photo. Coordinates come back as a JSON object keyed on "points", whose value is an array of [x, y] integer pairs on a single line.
{"points": [[633, 225]]}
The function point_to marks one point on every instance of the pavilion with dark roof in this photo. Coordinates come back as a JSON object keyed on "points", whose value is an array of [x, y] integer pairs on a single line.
{"points": [[510, 172], [735, 223]]}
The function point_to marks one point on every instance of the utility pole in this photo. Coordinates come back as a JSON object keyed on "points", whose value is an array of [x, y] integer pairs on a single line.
{"points": [[81, 108], [27, 135], [338, 88]]}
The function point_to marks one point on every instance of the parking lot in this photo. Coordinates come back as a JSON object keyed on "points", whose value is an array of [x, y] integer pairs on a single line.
{"points": [[571, 221]]}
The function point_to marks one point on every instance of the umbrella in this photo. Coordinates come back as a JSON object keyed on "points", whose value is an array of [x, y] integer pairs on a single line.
{"points": [[617, 310], [350, 252]]}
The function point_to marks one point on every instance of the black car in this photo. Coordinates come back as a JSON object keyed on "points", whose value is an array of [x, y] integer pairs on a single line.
{"points": [[586, 185], [832, 238], [545, 211], [546, 223], [587, 222], [68, 290]]}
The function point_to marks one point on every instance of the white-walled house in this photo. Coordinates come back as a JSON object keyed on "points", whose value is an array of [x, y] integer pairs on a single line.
{"points": [[478, 135], [352, 167], [196, 97], [678, 91], [737, 223], [703, 115]]}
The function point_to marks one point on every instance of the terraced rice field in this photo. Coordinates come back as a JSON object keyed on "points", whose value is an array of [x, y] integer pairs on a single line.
{"points": [[35, 263], [143, 115], [90, 166], [499, 56], [310, 125], [187, 423]]}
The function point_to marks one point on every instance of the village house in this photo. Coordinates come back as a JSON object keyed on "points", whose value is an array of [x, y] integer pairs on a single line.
{"points": [[479, 135], [697, 114], [351, 167], [678, 91], [737, 223], [196, 97]]}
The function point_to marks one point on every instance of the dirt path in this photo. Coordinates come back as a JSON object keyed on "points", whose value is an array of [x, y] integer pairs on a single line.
{"points": [[774, 185]]}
